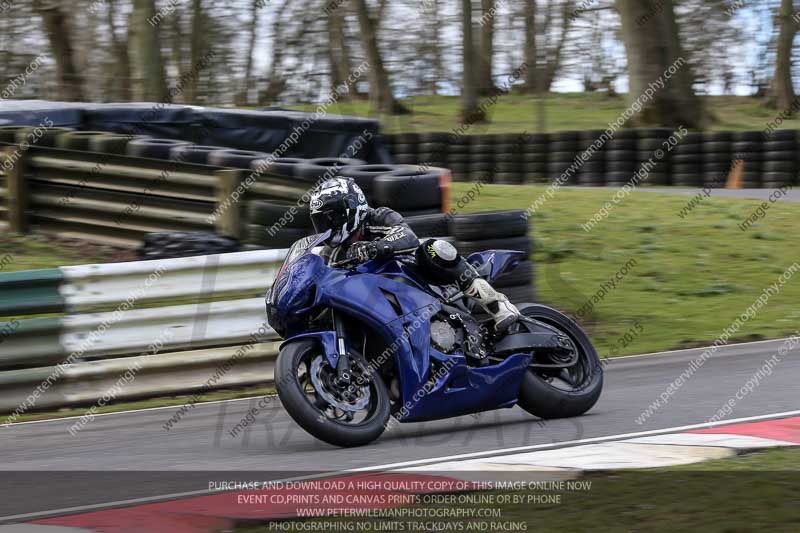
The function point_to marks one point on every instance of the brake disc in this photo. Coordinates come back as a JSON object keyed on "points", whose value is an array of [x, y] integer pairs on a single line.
{"points": [[317, 368]]}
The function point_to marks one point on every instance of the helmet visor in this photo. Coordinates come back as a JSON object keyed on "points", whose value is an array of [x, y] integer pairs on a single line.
{"points": [[329, 219]]}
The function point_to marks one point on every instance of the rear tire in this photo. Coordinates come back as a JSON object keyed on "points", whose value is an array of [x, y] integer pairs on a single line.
{"points": [[540, 397], [311, 418]]}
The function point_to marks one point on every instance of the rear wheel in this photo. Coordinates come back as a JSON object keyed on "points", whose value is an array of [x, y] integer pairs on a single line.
{"points": [[344, 415], [563, 392]]}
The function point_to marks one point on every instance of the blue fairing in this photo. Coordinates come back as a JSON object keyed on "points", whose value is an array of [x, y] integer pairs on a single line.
{"points": [[389, 298], [492, 263]]}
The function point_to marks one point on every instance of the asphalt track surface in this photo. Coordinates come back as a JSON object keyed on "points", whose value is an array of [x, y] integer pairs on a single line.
{"points": [[125, 456]]}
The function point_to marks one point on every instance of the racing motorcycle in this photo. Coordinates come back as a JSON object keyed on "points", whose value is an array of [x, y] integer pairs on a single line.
{"points": [[370, 341]]}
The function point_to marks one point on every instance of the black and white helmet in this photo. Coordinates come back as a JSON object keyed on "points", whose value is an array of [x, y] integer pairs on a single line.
{"points": [[339, 205]]}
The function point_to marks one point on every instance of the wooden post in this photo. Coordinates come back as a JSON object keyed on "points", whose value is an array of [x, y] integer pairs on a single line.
{"points": [[230, 195], [736, 175], [445, 184], [14, 163]]}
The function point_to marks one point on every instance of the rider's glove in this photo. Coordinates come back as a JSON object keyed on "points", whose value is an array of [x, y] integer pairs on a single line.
{"points": [[364, 251]]}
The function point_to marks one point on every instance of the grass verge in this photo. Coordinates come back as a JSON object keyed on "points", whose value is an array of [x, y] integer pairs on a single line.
{"points": [[516, 113], [34, 251], [687, 278]]}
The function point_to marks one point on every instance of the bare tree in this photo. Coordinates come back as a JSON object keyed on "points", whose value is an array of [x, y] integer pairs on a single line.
{"points": [[146, 61], [381, 96], [251, 44], [655, 56], [69, 80], [546, 34], [531, 51], [121, 69], [781, 89], [276, 82], [338, 49], [470, 109], [486, 47]]}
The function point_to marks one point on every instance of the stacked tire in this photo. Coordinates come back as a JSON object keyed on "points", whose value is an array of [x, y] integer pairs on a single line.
{"points": [[717, 158], [153, 148], [592, 172], [650, 146], [481, 161], [458, 157], [564, 147], [387, 140], [193, 153], [499, 230], [406, 149], [241, 159], [433, 149], [780, 159], [534, 158], [77, 140], [508, 159], [364, 175], [687, 159], [411, 192], [113, 143], [272, 225], [427, 226], [8, 133], [748, 148], [622, 158], [40, 136]]}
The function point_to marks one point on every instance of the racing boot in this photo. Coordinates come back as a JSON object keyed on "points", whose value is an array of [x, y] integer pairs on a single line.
{"points": [[495, 303]]}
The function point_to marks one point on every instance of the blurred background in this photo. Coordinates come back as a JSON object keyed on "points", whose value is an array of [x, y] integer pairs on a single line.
{"points": [[580, 58]]}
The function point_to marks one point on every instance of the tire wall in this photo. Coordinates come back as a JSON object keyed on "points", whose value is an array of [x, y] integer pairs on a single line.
{"points": [[770, 159]]}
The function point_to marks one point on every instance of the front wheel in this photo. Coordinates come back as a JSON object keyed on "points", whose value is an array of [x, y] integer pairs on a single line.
{"points": [[342, 414], [564, 392]]}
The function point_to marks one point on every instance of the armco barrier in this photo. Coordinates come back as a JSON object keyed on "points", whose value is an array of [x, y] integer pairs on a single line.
{"points": [[185, 325], [178, 321]]}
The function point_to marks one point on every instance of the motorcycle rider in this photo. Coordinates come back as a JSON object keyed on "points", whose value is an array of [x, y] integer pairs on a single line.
{"points": [[360, 233]]}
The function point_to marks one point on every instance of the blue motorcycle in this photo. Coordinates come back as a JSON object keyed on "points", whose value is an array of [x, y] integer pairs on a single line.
{"points": [[366, 342]]}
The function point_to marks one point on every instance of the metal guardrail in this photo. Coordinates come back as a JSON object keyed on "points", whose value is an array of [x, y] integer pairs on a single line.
{"points": [[177, 320]]}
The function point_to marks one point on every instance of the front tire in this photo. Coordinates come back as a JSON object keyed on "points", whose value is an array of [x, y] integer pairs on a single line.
{"points": [[313, 412], [581, 385]]}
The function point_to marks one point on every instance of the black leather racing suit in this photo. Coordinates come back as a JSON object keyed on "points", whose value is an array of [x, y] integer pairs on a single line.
{"points": [[388, 227], [381, 224]]}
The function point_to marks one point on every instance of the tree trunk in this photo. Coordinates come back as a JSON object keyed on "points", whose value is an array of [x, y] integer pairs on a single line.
{"points": [[70, 82], [486, 55], [122, 65], [243, 98], [656, 59], [782, 94], [197, 47], [470, 111], [436, 48], [148, 65], [381, 96], [338, 51], [276, 83], [531, 52], [553, 65]]}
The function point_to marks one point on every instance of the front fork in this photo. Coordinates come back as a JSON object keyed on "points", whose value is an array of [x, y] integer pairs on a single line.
{"points": [[343, 364]]}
